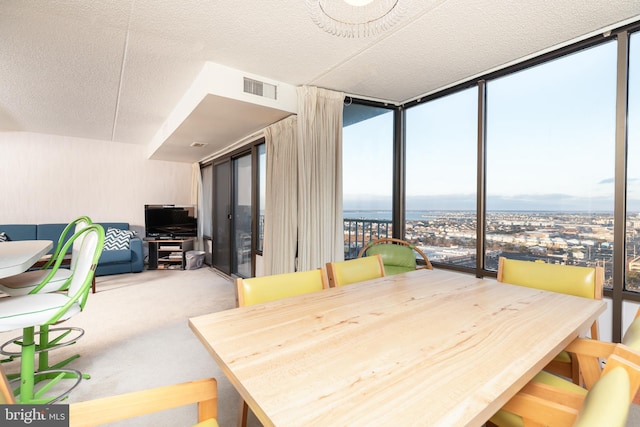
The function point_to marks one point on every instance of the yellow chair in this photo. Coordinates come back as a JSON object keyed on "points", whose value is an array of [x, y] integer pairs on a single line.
{"points": [[398, 256], [631, 336], [257, 290], [116, 408], [584, 282], [355, 270], [549, 400]]}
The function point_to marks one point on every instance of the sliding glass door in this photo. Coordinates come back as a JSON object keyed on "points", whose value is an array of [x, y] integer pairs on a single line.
{"points": [[236, 231], [242, 208], [221, 257]]}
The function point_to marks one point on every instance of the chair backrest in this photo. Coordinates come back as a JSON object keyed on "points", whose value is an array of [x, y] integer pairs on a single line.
{"points": [[631, 336], [257, 290], [398, 256], [607, 403], [355, 270], [80, 224], [92, 241], [584, 282], [77, 225]]}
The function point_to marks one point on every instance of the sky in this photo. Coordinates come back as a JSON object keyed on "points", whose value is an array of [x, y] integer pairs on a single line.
{"points": [[550, 142]]}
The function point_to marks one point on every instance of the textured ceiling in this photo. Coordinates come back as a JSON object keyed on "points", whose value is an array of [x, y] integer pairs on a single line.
{"points": [[115, 69]]}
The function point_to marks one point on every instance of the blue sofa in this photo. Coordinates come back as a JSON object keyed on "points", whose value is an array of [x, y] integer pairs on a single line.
{"points": [[111, 261]]}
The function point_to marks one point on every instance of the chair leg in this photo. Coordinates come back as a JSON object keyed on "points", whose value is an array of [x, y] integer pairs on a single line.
{"points": [[243, 413], [27, 366], [45, 344], [26, 392]]}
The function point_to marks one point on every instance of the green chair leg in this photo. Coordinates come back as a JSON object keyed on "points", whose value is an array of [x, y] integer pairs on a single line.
{"points": [[47, 344], [44, 345], [27, 392], [27, 367]]}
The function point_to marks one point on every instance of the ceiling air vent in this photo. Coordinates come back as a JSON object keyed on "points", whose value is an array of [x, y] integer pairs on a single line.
{"points": [[197, 144], [259, 88]]}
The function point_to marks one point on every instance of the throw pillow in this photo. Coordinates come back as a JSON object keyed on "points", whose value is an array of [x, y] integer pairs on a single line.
{"points": [[4, 237], [116, 239]]}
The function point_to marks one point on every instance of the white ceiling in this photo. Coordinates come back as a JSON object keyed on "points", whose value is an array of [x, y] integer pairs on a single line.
{"points": [[116, 69]]}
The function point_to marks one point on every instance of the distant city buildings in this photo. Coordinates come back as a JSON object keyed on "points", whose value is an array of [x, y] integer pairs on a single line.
{"points": [[565, 238]]}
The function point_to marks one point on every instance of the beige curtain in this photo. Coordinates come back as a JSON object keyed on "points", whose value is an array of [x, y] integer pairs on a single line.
{"points": [[320, 228], [281, 198]]}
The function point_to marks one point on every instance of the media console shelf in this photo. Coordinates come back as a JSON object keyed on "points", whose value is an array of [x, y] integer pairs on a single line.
{"points": [[165, 254]]}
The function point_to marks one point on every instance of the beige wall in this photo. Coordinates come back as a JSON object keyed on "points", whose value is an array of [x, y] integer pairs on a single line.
{"points": [[47, 178]]}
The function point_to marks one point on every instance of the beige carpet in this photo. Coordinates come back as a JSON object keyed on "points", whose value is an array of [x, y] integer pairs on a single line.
{"points": [[137, 337]]}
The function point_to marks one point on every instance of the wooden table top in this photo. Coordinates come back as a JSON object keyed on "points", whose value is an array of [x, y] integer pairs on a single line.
{"points": [[17, 256], [430, 347]]}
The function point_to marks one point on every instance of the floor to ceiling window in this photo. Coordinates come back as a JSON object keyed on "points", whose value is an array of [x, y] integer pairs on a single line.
{"points": [[633, 168], [207, 209], [262, 191], [440, 202], [367, 168], [550, 147], [242, 208]]}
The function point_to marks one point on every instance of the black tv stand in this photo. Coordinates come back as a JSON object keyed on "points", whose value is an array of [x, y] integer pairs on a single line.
{"points": [[166, 253]]}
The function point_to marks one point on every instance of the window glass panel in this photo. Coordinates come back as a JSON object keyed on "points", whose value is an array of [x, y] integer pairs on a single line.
{"points": [[441, 178], [550, 161], [367, 165], [242, 215], [633, 167], [207, 210], [262, 189]]}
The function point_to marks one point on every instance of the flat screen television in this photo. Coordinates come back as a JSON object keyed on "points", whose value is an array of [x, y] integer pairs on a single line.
{"points": [[170, 221]]}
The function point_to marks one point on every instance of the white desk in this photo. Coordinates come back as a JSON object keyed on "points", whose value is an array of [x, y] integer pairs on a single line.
{"points": [[16, 257], [427, 348]]}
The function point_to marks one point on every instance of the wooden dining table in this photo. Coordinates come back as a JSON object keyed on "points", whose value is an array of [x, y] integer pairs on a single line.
{"points": [[425, 348], [17, 256]]}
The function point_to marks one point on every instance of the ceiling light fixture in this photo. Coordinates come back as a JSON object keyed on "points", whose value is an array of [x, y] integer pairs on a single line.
{"points": [[356, 18]]}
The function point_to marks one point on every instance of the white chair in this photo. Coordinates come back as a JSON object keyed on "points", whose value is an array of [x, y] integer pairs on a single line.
{"points": [[24, 283], [38, 309], [54, 280]]}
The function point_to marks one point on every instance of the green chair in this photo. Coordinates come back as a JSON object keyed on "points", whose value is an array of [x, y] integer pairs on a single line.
{"points": [[52, 280], [590, 367], [39, 309], [398, 256], [554, 401], [77, 225], [355, 270], [606, 404], [24, 283]]}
